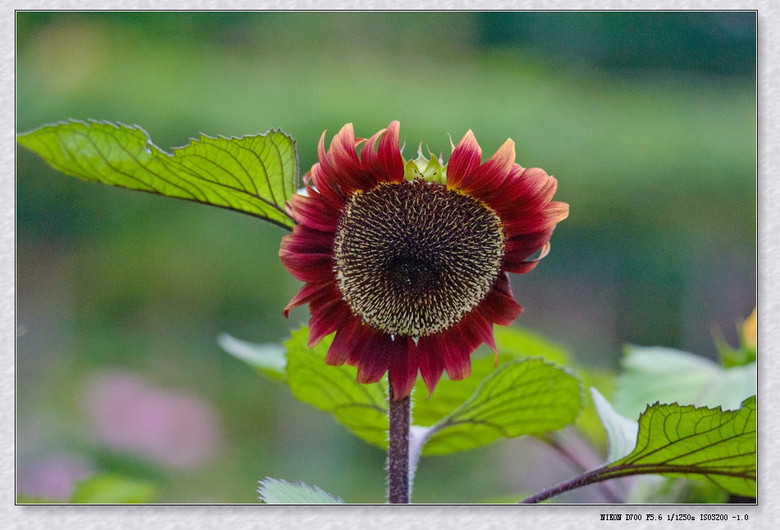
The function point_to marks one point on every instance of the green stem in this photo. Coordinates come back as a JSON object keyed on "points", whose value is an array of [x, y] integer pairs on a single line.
{"points": [[398, 450]]}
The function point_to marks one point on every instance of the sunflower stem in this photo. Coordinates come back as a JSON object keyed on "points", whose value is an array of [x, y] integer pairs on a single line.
{"points": [[398, 450]]}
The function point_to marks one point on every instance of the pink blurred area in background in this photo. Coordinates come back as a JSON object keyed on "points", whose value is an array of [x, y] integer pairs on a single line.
{"points": [[176, 429], [53, 476]]}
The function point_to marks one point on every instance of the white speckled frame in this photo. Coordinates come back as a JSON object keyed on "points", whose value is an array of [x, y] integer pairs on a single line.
{"points": [[405, 517]]}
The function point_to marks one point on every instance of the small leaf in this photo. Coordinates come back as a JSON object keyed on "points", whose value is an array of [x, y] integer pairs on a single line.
{"points": [[528, 396], [267, 359], [253, 174], [108, 488], [621, 431], [666, 375], [513, 343], [275, 491], [361, 408], [703, 443]]}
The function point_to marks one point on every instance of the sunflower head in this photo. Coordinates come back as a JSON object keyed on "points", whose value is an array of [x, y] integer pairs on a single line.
{"points": [[407, 260]]}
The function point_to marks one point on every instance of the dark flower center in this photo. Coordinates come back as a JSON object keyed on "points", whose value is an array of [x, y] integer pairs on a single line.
{"points": [[413, 258]]}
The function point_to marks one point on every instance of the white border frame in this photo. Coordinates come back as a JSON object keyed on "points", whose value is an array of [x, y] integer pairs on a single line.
{"points": [[418, 516]]}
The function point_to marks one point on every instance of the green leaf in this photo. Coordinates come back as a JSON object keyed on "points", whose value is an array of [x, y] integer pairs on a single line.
{"points": [[699, 443], [361, 408], [108, 488], [527, 384], [448, 394], [267, 359], [253, 174], [670, 376], [528, 396], [275, 491], [513, 343]]}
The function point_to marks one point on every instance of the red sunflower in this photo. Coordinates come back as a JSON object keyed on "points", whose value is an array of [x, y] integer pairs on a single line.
{"points": [[407, 261]]}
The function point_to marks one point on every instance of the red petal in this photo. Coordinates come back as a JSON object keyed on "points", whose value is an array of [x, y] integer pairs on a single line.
{"points": [[531, 189], [375, 356], [321, 176], [492, 174], [315, 294], [386, 163], [477, 330], [346, 345], [499, 306], [464, 160], [326, 320], [520, 248], [507, 193], [403, 367], [339, 170], [314, 212], [524, 222], [305, 240], [308, 267], [450, 350], [431, 364], [345, 165], [456, 352]]}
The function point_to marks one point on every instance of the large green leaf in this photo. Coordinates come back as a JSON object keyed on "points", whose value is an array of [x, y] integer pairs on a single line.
{"points": [[253, 174], [275, 491], [361, 408], [525, 396], [520, 396], [685, 441], [704, 443]]}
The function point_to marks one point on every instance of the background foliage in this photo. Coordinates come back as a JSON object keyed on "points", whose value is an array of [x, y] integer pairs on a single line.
{"points": [[647, 119]]}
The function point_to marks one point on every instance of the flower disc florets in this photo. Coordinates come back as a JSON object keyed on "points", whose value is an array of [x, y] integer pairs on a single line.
{"points": [[412, 258], [407, 261]]}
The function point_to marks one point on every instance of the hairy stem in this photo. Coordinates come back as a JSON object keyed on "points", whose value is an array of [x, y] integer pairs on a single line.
{"points": [[555, 441], [577, 482], [398, 450], [614, 471]]}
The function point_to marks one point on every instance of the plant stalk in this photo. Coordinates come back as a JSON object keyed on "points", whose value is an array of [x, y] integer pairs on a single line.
{"points": [[398, 450]]}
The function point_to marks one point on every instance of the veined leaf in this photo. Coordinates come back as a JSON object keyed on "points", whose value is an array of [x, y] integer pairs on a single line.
{"points": [[516, 342], [274, 491], [253, 174], [361, 408], [528, 396], [704, 443], [513, 343], [449, 395], [684, 441]]}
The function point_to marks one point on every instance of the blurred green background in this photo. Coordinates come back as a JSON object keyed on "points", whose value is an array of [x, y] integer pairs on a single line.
{"points": [[648, 120]]}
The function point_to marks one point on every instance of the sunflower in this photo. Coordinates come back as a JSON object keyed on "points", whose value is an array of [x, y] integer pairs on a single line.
{"points": [[407, 260]]}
